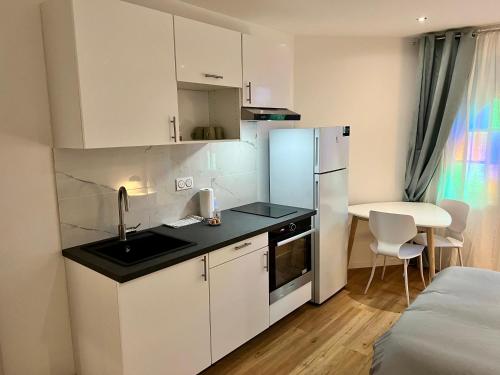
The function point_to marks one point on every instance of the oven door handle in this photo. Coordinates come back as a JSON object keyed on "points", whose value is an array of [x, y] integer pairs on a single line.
{"points": [[294, 238]]}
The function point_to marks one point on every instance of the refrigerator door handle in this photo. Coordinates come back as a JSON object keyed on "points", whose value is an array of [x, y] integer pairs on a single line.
{"points": [[316, 153], [316, 193]]}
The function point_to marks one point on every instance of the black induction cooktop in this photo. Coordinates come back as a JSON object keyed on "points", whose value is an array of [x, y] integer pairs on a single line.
{"points": [[265, 209]]}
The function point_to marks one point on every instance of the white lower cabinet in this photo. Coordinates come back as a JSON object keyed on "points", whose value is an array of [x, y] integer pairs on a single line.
{"points": [[239, 301], [178, 320], [155, 324], [165, 323]]}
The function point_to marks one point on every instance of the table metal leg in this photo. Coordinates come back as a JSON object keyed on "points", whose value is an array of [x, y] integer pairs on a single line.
{"points": [[352, 233], [432, 253]]}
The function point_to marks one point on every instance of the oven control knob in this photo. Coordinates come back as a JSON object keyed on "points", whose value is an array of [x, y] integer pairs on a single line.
{"points": [[292, 227]]}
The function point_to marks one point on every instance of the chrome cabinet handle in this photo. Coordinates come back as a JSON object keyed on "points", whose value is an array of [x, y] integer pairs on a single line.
{"points": [[173, 122], [216, 76], [249, 99], [294, 238], [242, 246], [266, 267], [205, 272]]}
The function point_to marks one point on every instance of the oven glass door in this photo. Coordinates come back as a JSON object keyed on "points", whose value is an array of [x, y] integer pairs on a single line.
{"points": [[289, 261]]}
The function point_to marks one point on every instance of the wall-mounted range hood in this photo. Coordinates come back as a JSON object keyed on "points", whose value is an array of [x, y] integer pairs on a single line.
{"points": [[268, 114]]}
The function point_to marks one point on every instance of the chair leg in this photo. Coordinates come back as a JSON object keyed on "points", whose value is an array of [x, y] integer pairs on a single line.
{"points": [[374, 265], [383, 269], [421, 265], [406, 282], [440, 258], [460, 257]]}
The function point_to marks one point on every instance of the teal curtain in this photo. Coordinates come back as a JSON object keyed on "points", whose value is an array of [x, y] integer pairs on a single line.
{"points": [[444, 68]]}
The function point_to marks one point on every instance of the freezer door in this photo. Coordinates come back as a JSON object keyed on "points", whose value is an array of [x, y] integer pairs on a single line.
{"points": [[331, 149], [291, 167], [330, 241]]}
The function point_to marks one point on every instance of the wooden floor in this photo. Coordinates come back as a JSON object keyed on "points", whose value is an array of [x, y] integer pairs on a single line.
{"points": [[334, 338]]}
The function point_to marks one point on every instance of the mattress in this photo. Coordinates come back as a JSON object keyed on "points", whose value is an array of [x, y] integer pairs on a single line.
{"points": [[453, 327]]}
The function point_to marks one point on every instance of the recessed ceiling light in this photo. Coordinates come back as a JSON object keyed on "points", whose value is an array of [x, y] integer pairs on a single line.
{"points": [[422, 19]]}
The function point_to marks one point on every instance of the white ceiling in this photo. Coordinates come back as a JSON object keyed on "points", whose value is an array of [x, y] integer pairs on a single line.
{"points": [[358, 17]]}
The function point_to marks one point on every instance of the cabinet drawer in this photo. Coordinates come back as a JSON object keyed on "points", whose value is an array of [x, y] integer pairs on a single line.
{"points": [[237, 249]]}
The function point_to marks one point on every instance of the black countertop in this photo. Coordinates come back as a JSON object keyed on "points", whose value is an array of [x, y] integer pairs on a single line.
{"points": [[235, 227]]}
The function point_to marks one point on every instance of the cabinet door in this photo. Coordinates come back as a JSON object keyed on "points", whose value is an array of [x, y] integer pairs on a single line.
{"points": [[267, 73], [126, 69], [239, 301], [207, 54], [164, 320]]}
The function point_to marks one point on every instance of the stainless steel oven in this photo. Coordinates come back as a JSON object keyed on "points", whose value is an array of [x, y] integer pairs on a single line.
{"points": [[290, 255]]}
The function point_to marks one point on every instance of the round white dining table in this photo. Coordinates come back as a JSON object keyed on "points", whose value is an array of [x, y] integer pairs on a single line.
{"points": [[427, 216]]}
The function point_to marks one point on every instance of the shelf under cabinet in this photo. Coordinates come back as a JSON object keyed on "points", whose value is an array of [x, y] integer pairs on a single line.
{"points": [[208, 107]]}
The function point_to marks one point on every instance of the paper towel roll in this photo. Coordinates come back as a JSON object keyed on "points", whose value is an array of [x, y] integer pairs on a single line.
{"points": [[207, 200]]}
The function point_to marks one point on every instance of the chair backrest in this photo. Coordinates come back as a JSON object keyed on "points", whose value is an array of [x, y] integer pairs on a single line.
{"points": [[458, 211], [391, 231]]}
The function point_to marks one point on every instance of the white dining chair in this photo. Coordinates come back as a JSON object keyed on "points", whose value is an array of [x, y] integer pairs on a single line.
{"points": [[453, 238], [392, 232]]}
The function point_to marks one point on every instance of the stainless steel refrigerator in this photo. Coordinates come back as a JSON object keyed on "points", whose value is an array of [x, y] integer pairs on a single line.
{"points": [[309, 168]]}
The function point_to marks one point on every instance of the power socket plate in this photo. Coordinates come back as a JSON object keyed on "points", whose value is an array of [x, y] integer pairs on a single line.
{"points": [[184, 183]]}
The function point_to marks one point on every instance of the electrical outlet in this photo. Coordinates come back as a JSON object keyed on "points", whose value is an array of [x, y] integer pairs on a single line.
{"points": [[184, 183]]}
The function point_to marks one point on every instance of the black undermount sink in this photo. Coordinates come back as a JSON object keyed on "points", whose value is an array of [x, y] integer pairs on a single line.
{"points": [[137, 248]]}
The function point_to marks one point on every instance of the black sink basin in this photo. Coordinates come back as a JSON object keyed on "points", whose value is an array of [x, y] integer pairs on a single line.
{"points": [[137, 248]]}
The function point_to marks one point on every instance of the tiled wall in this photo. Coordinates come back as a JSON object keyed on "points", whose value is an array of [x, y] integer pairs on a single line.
{"points": [[88, 180]]}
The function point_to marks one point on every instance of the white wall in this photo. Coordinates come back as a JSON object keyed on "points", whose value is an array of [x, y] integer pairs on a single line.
{"points": [[34, 322], [367, 83]]}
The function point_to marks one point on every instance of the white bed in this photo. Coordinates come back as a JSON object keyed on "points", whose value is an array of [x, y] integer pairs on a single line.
{"points": [[453, 327]]}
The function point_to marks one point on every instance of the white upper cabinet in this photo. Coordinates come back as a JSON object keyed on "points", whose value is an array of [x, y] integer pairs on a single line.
{"points": [[207, 54], [111, 73], [267, 73]]}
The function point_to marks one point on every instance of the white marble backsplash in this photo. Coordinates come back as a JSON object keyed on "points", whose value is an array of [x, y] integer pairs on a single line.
{"points": [[88, 181]]}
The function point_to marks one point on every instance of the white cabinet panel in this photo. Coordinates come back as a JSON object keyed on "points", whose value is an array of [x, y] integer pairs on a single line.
{"points": [[93, 302], [289, 303], [119, 61], [164, 320], [267, 73], [207, 54], [239, 301]]}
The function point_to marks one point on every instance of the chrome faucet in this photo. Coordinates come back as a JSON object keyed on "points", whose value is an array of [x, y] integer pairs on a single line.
{"points": [[122, 204]]}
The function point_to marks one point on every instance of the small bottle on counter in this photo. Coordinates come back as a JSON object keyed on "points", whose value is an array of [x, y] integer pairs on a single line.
{"points": [[217, 216]]}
